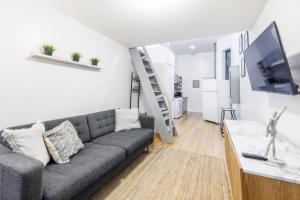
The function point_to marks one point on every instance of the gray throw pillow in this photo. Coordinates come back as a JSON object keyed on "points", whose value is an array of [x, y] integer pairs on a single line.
{"points": [[62, 142]]}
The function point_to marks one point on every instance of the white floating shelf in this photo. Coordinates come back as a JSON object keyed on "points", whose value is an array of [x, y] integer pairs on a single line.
{"points": [[62, 60]]}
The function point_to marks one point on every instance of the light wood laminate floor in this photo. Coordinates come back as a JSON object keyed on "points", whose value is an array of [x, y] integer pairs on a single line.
{"points": [[192, 168]]}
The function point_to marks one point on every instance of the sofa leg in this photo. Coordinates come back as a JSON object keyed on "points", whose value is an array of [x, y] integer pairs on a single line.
{"points": [[147, 149]]}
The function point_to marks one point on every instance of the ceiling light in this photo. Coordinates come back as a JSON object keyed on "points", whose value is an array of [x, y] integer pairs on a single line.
{"points": [[193, 47]]}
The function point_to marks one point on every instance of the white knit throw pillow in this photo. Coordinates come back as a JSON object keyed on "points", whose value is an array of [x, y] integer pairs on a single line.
{"points": [[127, 119], [28, 141]]}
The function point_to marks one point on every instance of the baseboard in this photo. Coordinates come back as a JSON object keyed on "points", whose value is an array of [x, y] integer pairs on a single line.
{"points": [[195, 111]]}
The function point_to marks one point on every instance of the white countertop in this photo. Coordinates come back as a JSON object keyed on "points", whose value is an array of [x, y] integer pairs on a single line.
{"points": [[249, 137]]}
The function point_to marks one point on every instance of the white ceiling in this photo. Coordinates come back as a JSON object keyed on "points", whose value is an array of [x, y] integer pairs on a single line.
{"points": [[201, 45], [143, 22]]}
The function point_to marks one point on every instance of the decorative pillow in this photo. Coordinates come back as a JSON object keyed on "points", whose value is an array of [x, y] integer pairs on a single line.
{"points": [[127, 119], [62, 142], [28, 141]]}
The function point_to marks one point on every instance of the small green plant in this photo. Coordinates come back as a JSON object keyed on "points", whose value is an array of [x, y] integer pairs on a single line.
{"points": [[95, 61], [76, 56], [48, 49]]}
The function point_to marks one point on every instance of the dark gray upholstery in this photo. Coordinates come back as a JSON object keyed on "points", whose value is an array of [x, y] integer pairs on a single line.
{"points": [[101, 123], [79, 122], [84, 195], [129, 140], [64, 181], [3, 141], [21, 177], [24, 178], [4, 149], [147, 133], [146, 121]]}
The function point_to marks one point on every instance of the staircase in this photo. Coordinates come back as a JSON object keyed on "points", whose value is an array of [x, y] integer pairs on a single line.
{"points": [[155, 94]]}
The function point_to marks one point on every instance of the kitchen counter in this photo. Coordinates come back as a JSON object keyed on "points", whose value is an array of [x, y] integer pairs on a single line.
{"points": [[249, 136]]}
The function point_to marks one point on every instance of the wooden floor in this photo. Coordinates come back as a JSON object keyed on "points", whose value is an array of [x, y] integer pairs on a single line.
{"points": [[196, 136], [193, 167]]}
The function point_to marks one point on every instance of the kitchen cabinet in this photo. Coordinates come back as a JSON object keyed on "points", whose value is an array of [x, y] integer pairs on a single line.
{"points": [[184, 105], [258, 180]]}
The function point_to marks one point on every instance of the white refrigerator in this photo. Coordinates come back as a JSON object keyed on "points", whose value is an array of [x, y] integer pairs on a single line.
{"points": [[210, 100]]}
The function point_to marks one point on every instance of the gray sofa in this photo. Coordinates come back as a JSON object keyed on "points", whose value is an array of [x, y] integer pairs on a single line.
{"points": [[104, 155]]}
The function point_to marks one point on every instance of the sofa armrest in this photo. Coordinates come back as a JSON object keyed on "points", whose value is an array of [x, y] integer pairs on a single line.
{"points": [[147, 121], [4, 149], [20, 177]]}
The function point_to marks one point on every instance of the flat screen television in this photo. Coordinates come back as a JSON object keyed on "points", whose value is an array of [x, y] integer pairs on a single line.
{"points": [[267, 64]]}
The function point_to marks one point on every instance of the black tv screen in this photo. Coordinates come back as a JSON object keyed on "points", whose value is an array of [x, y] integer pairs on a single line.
{"points": [[267, 64]]}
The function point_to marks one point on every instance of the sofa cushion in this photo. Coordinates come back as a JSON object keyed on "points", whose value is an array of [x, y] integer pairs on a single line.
{"points": [[79, 122], [28, 141], [101, 123], [4, 149], [147, 132], [130, 140], [127, 119], [62, 142], [64, 181], [3, 140]]}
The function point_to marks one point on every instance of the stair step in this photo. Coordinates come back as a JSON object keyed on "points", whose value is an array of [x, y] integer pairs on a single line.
{"points": [[142, 54], [153, 91], [150, 75], [159, 96], [145, 59], [148, 67], [164, 111]]}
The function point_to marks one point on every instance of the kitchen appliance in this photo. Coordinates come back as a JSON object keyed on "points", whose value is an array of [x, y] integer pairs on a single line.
{"points": [[210, 100], [178, 94], [177, 82], [177, 107], [267, 64]]}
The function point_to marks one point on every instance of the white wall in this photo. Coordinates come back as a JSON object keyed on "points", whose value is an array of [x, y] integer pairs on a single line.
{"points": [[194, 67], [164, 64], [31, 89], [259, 106], [163, 61], [231, 41]]}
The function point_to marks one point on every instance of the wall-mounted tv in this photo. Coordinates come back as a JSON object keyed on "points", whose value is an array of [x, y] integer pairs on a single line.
{"points": [[267, 64]]}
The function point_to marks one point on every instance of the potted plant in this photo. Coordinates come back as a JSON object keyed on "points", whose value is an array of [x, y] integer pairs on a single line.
{"points": [[48, 49], [95, 61], [76, 56]]}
